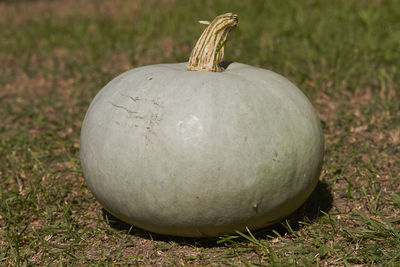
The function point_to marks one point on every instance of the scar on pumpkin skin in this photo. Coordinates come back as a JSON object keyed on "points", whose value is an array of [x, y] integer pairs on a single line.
{"points": [[255, 207], [134, 99], [124, 108]]}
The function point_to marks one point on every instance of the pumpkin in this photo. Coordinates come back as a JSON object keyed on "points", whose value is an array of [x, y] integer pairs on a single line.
{"points": [[194, 149]]}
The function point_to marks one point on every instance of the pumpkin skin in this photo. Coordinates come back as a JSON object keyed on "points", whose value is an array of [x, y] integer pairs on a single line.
{"points": [[196, 154]]}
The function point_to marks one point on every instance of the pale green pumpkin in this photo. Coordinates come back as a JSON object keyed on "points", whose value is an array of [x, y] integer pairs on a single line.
{"points": [[201, 153]]}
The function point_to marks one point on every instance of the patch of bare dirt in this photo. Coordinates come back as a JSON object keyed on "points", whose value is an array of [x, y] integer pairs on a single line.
{"points": [[360, 122]]}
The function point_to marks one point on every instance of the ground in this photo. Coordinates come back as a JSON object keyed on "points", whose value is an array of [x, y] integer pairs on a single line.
{"points": [[56, 55]]}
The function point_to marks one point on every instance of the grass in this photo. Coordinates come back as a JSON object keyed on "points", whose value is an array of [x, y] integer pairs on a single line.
{"points": [[56, 55]]}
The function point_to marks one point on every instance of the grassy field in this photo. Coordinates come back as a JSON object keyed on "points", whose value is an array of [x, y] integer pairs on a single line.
{"points": [[56, 55]]}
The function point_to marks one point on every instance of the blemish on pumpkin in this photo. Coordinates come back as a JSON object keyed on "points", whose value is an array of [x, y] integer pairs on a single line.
{"points": [[134, 99], [153, 121], [275, 156], [124, 108], [156, 103], [136, 117], [255, 207]]}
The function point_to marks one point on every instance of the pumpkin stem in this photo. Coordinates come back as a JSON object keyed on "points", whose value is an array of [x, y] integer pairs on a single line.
{"points": [[208, 52]]}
